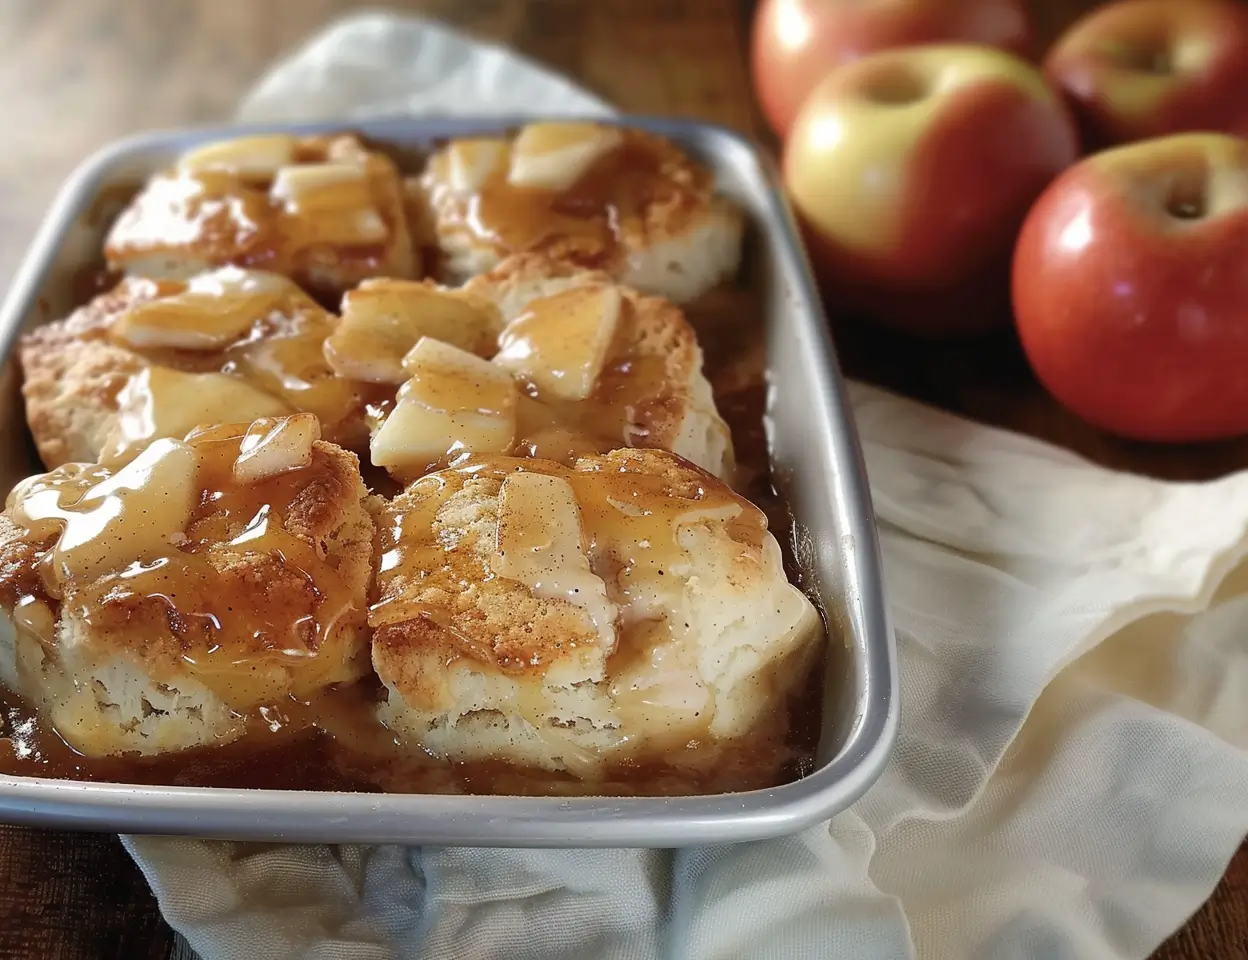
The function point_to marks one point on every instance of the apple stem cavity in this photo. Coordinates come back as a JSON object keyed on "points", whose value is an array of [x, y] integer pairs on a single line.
{"points": [[1186, 199], [1155, 61], [895, 87]]}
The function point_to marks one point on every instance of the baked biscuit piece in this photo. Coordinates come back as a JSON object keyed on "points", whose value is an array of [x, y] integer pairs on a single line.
{"points": [[325, 211], [155, 358], [596, 366], [571, 618], [613, 198], [161, 605]]}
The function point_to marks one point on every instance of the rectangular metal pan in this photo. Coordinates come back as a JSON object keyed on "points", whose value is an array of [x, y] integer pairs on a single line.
{"points": [[817, 464]]}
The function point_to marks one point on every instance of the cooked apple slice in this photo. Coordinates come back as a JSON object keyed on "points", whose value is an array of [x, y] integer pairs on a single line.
{"points": [[273, 446], [472, 161], [454, 403], [162, 402], [252, 158], [214, 310], [383, 319], [561, 343], [101, 515], [333, 201], [553, 156], [540, 543]]}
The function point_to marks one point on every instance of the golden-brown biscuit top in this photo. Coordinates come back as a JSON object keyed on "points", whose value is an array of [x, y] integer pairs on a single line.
{"points": [[439, 585]]}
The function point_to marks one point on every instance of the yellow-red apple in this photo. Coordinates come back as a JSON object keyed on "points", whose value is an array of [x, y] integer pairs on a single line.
{"points": [[795, 43], [1131, 288], [1146, 68], [912, 171]]}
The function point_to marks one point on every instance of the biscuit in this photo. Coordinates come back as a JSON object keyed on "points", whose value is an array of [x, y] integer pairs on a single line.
{"points": [[163, 604], [571, 618], [153, 359], [325, 211], [624, 201], [650, 391]]}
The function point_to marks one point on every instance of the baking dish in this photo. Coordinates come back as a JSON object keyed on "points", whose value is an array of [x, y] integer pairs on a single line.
{"points": [[816, 462]]}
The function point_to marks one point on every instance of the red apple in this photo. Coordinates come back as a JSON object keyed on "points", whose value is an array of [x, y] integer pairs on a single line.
{"points": [[912, 171], [796, 43], [1147, 68], [1131, 288]]}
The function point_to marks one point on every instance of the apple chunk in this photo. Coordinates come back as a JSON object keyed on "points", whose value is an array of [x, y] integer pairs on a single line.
{"points": [[540, 543], [561, 343], [213, 311], [553, 156], [454, 403], [383, 319], [251, 158], [162, 402], [473, 160], [333, 201], [273, 446]]}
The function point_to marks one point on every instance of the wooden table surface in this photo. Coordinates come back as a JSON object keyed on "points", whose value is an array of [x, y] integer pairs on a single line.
{"points": [[75, 74]]}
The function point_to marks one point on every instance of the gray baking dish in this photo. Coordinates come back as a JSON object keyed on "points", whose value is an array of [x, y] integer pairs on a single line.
{"points": [[816, 460]]}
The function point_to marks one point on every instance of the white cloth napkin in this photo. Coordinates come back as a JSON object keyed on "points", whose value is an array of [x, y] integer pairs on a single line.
{"points": [[1071, 776]]}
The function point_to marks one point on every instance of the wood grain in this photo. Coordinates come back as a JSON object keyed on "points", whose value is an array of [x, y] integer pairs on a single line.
{"points": [[75, 74]]}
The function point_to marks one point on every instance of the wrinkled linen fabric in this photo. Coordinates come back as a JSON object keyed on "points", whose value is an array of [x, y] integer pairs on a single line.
{"points": [[1071, 771]]}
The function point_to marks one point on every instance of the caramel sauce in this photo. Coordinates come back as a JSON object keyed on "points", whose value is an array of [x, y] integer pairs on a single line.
{"points": [[309, 753], [98, 514], [223, 219], [288, 361], [405, 546], [542, 433], [643, 176], [88, 282], [279, 645]]}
